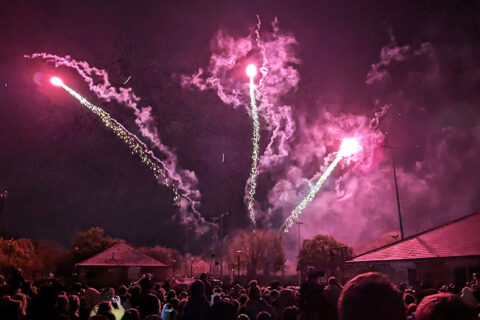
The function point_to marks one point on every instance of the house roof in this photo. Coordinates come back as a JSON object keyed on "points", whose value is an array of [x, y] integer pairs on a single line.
{"points": [[121, 254], [457, 238]]}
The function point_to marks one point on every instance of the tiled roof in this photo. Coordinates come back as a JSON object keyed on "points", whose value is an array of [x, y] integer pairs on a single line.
{"points": [[121, 254], [455, 239]]}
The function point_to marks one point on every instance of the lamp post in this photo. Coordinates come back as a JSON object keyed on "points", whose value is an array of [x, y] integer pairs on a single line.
{"points": [[238, 252], [173, 267], [191, 267], [299, 223]]}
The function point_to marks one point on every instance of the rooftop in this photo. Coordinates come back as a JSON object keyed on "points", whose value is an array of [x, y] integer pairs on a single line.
{"points": [[121, 254], [457, 238]]}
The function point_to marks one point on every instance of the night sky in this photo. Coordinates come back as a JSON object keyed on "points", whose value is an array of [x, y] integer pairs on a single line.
{"points": [[418, 62]]}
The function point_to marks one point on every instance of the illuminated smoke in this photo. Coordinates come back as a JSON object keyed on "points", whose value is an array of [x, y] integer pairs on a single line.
{"points": [[273, 51], [349, 147], [311, 195], [98, 81], [316, 147], [136, 147], [391, 54], [359, 204]]}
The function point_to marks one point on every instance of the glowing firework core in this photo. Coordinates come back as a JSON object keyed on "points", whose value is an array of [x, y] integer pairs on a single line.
{"points": [[251, 70], [349, 147], [56, 81]]}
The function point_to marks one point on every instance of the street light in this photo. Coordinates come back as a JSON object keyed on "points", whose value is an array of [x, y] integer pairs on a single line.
{"points": [[173, 267], [238, 252], [191, 267]]}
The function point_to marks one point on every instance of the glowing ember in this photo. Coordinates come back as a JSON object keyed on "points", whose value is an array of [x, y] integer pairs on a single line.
{"points": [[251, 70], [56, 81], [349, 147]]}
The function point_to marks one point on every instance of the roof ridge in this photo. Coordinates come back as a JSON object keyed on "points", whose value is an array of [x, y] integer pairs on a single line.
{"points": [[124, 244], [417, 234]]}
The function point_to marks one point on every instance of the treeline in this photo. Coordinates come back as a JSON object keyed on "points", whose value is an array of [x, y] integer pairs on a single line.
{"points": [[253, 252]]}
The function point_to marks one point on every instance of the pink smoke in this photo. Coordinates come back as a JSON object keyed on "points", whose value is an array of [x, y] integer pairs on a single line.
{"points": [[273, 54], [391, 54], [99, 83]]}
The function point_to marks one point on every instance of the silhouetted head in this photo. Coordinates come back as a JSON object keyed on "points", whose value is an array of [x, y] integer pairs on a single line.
{"points": [[223, 309], [62, 304], [332, 281], [254, 293], [146, 282], [264, 315], [370, 296], [149, 305], [131, 314], [171, 295], [443, 306], [122, 290], [197, 289], [290, 313], [243, 299], [408, 298], [104, 307]]}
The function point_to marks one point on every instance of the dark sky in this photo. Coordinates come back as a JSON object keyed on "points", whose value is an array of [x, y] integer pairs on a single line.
{"points": [[65, 172]]}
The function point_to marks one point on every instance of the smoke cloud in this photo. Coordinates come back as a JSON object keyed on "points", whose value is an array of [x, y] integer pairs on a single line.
{"points": [[272, 52], [184, 180]]}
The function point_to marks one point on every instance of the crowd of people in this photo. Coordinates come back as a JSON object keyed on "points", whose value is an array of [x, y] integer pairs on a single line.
{"points": [[368, 296]]}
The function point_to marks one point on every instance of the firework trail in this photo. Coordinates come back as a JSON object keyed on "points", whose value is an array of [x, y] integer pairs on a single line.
{"points": [[252, 181], [349, 146], [136, 146], [278, 77], [99, 83]]}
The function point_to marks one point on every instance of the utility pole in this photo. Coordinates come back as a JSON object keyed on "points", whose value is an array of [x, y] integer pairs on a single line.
{"points": [[191, 267], [398, 196], [396, 189], [299, 223], [238, 252], [186, 249], [219, 238]]}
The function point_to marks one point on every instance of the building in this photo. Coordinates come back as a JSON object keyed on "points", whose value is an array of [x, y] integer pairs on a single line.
{"points": [[442, 255], [120, 264]]}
